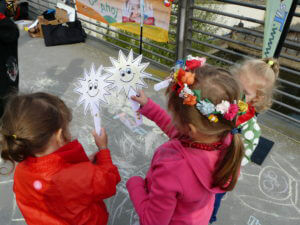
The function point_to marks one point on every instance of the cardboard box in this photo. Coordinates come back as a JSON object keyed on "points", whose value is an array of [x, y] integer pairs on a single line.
{"points": [[61, 15]]}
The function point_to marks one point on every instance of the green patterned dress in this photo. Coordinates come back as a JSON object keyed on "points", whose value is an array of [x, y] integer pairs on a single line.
{"points": [[250, 136]]}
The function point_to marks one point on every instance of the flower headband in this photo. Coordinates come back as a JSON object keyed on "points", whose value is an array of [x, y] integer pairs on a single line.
{"points": [[182, 78]]}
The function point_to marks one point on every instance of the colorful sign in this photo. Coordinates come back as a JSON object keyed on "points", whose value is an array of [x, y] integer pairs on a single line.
{"points": [[276, 16], [126, 15]]}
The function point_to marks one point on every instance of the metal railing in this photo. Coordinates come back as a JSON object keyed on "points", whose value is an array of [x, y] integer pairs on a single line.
{"points": [[201, 29], [243, 43]]}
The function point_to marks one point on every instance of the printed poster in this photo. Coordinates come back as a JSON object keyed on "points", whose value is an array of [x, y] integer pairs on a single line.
{"points": [[126, 15]]}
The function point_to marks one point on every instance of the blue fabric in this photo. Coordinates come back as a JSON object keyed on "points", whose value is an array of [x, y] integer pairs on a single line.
{"points": [[218, 199], [2, 6]]}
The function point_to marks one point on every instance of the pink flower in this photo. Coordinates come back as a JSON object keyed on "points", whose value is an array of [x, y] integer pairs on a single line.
{"points": [[232, 111]]}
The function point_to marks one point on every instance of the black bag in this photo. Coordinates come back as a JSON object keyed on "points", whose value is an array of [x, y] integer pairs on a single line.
{"points": [[262, 150], [61, 34]]}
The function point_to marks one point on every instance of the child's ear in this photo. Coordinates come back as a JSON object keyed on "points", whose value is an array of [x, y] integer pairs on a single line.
{"points": [[192, 128], [258, 98], [59, 137]]}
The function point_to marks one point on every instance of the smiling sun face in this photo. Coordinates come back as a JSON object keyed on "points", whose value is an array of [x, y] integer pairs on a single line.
{"points": [[92, 88], [128, 72]]}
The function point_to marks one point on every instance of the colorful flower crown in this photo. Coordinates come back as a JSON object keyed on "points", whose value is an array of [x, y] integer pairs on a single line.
{"points": [[183, 77]]}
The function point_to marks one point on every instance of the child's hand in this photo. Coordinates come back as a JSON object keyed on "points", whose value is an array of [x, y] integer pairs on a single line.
{"points": [[142, 99], [101, 141]]}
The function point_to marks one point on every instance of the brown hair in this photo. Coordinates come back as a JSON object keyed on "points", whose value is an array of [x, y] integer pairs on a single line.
{"points": [[264, 76], [215, 85], [28, 123]]}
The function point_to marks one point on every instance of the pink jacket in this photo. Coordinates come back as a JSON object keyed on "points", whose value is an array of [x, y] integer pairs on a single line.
{"points": [[177, 189]]}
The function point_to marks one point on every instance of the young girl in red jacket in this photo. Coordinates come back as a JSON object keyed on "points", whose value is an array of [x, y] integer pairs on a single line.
{"points": [[54, 181], [203, 155]]}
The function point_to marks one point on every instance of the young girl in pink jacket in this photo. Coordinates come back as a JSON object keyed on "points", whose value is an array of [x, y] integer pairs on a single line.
{"points": [[203, 154]]}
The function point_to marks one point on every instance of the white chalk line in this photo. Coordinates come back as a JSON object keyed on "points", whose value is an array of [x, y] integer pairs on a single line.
{"points": [[259, 186], [6, 181], [264, 212]]}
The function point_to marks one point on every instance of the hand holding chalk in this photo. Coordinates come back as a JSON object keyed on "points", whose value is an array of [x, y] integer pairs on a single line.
{"points": [[101, 140], [142, 99]]}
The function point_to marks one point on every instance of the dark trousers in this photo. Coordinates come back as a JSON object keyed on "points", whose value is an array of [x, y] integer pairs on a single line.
{"points": [[218, 199], [9, 71]]}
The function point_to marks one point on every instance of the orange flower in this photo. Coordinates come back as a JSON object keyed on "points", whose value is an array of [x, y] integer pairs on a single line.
{"points": [[190, 100], [180, 75], [188, 78]]}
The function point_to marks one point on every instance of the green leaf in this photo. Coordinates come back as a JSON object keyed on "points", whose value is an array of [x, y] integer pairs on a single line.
{"points": [[197, 93]]}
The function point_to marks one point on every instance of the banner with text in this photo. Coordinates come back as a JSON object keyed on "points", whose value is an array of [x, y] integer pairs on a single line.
{"points": [[126, 15], [276, 15]]}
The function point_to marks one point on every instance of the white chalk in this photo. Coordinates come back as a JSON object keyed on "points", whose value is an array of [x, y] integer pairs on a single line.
{"points": [[162, 85]]}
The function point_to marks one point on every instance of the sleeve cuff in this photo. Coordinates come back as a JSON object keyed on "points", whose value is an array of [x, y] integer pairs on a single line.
{"points": [[103, 157], [146, 108], [134, 182]]}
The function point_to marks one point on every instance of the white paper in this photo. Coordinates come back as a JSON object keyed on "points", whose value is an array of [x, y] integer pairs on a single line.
{"points": [[128, 73], [162, 84], [135, 107], [69, 9], [93, 89], [33, 24], [97, 119]]}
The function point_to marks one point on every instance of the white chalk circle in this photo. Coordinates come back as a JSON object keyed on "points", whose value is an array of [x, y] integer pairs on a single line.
{"points": [[274, 183], [249, 135]]}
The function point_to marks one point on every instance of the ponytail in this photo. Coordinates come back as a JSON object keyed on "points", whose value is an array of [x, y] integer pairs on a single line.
{"points": [[274, 65], [226, 176], [29, 122], [14, 149]]}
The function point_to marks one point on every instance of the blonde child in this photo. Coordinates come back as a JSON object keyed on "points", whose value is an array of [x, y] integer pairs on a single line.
{"points": [[54, 181], [258, 80], [203, 155]]}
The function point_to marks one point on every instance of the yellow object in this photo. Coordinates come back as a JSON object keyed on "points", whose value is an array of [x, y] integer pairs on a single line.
{"points": [[213, 118], [26, 28], [175, 76], [243, 106], [14, 136], [271, 63]]}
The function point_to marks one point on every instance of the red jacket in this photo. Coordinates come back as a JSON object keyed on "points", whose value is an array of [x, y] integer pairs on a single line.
{"points": [[65, 187]]}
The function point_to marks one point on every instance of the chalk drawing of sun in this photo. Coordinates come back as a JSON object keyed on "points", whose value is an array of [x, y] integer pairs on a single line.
{"points": [[92, 88], [127, 72]]}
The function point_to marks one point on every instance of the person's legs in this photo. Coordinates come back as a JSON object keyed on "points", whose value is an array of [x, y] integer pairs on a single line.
{"points": [[218, 199]]}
